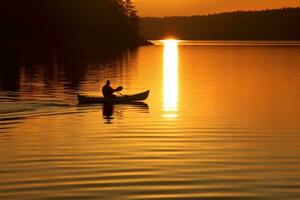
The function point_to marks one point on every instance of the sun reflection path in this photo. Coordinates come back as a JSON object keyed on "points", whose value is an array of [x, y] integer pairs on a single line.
{"points": [[170, 105]]}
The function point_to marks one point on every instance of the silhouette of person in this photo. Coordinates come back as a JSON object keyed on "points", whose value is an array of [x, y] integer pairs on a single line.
{"points": [[108, 91]]}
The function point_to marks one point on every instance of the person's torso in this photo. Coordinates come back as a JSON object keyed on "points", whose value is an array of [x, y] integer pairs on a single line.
{"points": [[107, 91]]}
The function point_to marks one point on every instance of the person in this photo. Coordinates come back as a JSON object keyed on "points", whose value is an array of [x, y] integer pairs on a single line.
{"points": [[108, 91]]}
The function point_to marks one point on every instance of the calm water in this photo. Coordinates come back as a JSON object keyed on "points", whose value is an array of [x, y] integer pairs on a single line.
{"points": [[222, 122]]}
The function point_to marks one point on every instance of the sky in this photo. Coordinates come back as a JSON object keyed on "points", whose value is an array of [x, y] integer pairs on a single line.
{"points": [[159, 8]]}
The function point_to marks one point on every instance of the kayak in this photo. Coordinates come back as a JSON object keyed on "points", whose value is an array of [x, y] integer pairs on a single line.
{"points": [[83, 99]]}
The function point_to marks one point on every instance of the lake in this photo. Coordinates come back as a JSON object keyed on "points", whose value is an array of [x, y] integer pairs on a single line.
{"points": [[222, 122]]}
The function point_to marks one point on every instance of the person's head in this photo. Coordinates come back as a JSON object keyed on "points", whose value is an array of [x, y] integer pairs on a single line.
{"points": [[108, 82]]}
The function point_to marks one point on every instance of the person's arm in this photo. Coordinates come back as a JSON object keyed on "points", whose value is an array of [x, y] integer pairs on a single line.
{"points": [[112, 90]]}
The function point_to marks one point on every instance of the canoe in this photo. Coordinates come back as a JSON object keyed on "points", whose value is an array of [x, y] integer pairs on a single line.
{"points": [[83, 99]]}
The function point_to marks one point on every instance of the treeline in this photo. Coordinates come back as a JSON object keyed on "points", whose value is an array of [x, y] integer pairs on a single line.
{"points": [[101, 21], [276, 24]]}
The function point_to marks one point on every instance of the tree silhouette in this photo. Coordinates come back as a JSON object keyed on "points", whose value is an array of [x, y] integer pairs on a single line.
{"points": [[103, 21]]}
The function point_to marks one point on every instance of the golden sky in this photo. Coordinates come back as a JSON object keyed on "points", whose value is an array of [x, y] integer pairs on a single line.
{"points": [[194, 7]]}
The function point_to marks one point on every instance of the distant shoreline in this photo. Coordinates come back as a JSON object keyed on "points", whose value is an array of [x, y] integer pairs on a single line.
{"points": [[51, 42], [273, 25], [232, 42], [220, 13]]}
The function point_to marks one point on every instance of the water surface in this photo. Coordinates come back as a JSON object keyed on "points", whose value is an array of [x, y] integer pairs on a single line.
{"points": [[221, 122]]}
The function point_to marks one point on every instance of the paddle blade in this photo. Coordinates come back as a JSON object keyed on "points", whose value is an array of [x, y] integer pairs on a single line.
{"points": [[120, 88]]}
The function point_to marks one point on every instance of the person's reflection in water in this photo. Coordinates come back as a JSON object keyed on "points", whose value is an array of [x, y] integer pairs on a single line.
{"points": [[108, 112]]}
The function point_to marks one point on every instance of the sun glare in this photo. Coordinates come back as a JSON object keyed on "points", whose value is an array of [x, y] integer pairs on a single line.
{"points": [[170, 100]]}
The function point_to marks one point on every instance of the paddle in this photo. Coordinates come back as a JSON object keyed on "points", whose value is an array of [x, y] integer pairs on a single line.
{"points": [[120, 93], [120, 88]]}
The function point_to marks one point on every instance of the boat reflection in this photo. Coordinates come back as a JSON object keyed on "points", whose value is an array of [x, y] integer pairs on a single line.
{"points": [[110, 111], [170, 92]]}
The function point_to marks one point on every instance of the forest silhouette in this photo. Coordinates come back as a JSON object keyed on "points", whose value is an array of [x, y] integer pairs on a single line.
{"points": [[74, 32], [276, 24], [100, 21]]}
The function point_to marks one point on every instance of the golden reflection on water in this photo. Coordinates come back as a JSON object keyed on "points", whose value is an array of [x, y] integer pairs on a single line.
{"points": [[170, 91], [236, 135]]}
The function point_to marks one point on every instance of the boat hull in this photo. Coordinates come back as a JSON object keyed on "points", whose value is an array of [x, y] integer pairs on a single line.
{"points": [[83, 99]]}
